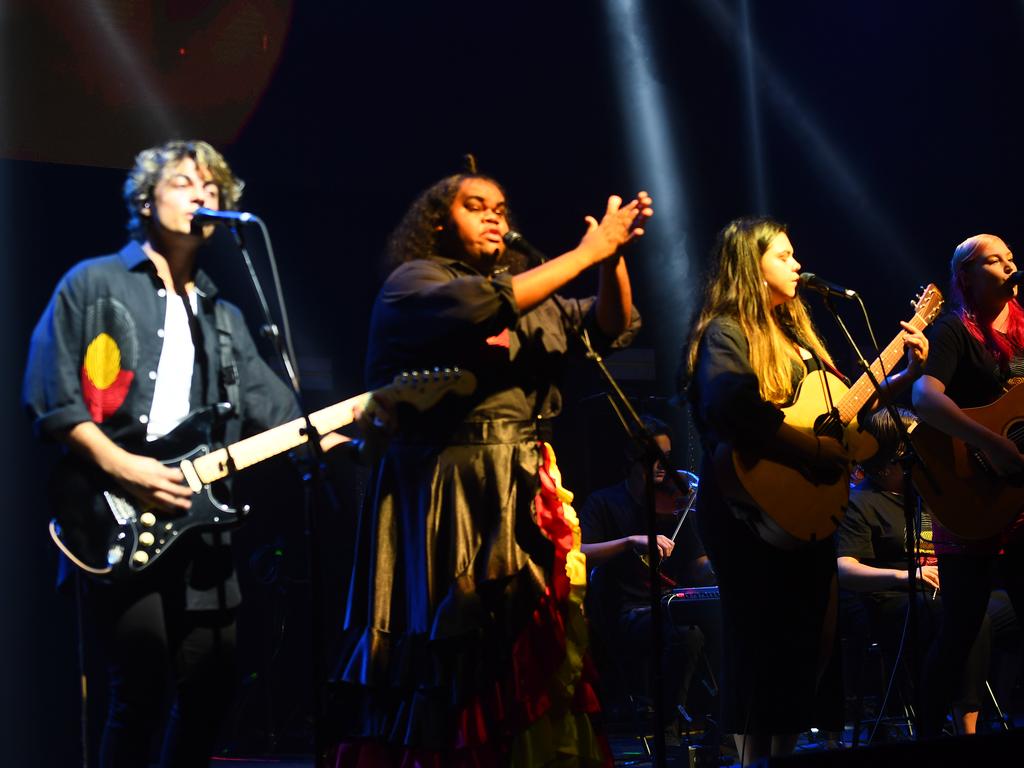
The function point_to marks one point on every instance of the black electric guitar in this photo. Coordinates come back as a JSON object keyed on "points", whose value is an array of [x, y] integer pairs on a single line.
{"points": [[108, 533]]}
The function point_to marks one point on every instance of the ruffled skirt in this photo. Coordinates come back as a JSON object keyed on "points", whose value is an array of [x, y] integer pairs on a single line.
{"points": [[465, 643]]}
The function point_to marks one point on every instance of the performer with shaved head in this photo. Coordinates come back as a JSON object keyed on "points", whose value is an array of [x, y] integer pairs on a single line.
{"points": [[977, 355]]}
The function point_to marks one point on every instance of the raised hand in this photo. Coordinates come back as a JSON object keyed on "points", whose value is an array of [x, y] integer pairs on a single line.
{"points": [[619, 225]]}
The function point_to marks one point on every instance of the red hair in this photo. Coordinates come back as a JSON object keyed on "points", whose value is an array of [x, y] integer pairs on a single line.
{"points": [[1002, 346]]}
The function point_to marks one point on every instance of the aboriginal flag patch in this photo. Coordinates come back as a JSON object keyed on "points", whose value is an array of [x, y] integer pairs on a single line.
{"points": [[110, 358], [104, 382]]}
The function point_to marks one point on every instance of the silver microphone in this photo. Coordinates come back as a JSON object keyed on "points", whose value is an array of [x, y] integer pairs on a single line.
{"points": [[224, 217], [812, 282]]}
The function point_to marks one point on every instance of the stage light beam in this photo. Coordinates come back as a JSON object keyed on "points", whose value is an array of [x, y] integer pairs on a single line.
{"points": [[851, 190], [665, 271]]}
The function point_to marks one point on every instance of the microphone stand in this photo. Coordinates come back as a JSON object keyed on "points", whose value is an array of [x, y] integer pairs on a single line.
{"points": [[910, 458], [636, 430], [312, 481]]}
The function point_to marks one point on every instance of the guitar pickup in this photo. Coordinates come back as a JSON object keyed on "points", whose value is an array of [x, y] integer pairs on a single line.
{"points": [[191, 476]]}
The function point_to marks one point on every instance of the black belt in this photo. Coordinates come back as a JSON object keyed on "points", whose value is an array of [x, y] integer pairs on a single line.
{"points": [[497, 432]]}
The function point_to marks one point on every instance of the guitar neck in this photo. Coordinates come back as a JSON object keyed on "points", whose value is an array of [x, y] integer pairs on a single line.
{"points": [[863, 389], [252, 450]]}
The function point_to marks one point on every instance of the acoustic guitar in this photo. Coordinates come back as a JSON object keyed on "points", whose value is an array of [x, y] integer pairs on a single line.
{"points": [[801, 504], [960, 487]]}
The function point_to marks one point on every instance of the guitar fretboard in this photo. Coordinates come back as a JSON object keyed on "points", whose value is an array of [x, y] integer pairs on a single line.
{"points": [[252, 450], [863, 389]]}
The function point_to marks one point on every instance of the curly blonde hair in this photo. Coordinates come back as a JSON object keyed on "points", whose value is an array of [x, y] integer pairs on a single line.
{"points": [[151, 165]]}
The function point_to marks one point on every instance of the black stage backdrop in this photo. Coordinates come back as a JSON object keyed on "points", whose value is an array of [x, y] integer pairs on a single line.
{"points": [[882, 133]]}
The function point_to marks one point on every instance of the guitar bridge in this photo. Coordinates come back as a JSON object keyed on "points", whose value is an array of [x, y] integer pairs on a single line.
{"points": [[122, 509]]}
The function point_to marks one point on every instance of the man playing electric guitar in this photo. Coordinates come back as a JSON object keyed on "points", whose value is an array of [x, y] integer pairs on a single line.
{"points": [[129, 344], [977, 350]]}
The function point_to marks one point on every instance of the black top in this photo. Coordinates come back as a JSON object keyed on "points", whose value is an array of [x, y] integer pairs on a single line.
{"points": [[775, 603], [452, 568], [113, 308], [94, 356], [972, 378], [873, 530], [612, 513], [442, 312], [970, 373], [724, 393]]}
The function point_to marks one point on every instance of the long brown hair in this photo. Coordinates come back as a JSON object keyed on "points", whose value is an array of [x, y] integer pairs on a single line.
{"points": [[736, 288]]}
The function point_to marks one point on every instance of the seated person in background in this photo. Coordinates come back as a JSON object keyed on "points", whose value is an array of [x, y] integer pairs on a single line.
{"points": [[613, 528], [871, 557]]}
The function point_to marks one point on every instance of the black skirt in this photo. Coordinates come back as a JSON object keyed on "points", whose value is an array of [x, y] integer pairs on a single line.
{"points": [[781, 669]]}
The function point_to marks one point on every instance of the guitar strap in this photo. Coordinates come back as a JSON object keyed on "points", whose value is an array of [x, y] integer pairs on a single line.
{"points": [[230, 390]]}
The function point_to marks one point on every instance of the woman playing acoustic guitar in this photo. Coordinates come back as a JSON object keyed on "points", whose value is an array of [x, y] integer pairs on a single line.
{"points": [[978, 353], [752, 344]]}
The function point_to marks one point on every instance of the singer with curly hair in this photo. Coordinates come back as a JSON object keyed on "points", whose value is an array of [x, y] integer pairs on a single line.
{"points": [[464, 635]]}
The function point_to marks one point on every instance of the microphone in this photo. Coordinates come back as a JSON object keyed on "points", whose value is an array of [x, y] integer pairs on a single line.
{"points": [[1015, 279], [517, 242], [225, 217], [812, 282]]}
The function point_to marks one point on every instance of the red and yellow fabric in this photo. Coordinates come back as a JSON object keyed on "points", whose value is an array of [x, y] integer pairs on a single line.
{"points": [[105, 383], [537, 711], [548, 696], [563, 734]]}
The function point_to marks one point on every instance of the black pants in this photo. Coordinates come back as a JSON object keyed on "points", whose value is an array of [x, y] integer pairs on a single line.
{"points": [[681, 651], [148, 640], [967, 581], [888, 616]]}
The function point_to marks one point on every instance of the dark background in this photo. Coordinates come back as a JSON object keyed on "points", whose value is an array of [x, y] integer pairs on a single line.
{"points": [[883, 133]]}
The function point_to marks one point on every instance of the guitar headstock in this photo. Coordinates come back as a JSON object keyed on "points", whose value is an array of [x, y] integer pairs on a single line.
{"points": [[928, 303], [424, 388]]}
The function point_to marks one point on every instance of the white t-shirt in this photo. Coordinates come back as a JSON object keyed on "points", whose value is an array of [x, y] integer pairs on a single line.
{"points": [[174, 373]]}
